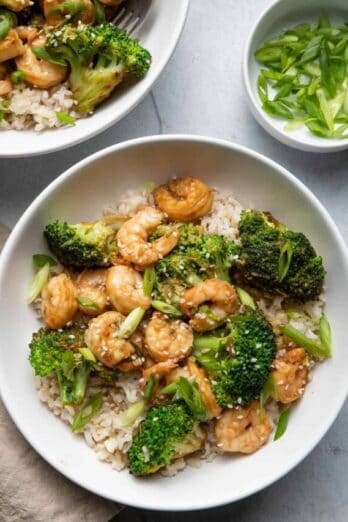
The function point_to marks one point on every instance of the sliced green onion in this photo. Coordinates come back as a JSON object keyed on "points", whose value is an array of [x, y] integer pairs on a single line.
{"points": [[312, 348], [65, 118], [325, 334], [87, 304], [149, 280], [149, 187], [185, 390], [86, 413], [100, 17], [130, 415], [282, 424], [245, 298], [38, 282], [7, 21], [131, 323], [166, 308], [170, 389], [208, 342], [40, 260], [87, 354], [44, 55], [284, 261], [269, 390], [17, 77], [150, 388]]}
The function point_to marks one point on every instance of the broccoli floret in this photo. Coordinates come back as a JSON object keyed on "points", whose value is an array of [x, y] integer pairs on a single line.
{"points": [[56, 351], [197, 256], [168, 432], [238, 363], [100, 57], [263, 241], [83, 244]]}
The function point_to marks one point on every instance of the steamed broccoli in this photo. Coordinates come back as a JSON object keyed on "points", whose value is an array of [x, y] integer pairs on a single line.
{"points": [[100, 57], [57, 351], [238, 363], [83, 244], [197, 256], [168, 432], [278, 260]]}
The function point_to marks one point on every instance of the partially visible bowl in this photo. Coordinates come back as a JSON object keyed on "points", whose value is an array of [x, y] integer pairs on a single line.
{"points": [[159, 33], [281, 15], [80, 194]]}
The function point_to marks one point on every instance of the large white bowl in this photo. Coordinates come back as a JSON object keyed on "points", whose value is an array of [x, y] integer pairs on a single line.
{"points": [[159, 34], [80, 194], [281, 15]]}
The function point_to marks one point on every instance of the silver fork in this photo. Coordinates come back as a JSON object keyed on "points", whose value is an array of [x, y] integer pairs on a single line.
{"points": [[131, 15]]}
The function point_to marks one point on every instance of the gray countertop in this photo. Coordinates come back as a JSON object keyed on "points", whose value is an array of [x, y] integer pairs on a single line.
{"points": [[201, 92]]}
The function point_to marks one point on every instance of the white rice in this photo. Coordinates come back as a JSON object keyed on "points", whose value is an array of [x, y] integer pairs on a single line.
{"points": [[30, 108], [105, 433]]}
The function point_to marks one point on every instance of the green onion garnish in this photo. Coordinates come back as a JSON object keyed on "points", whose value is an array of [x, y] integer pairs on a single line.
{"points": [[87, 354], [17, 77], [38, 282], [130, 415], [245, 298], [312, 347], [86, 413], [285, 260], [149, 280], [87, 304], [39, 260], [282, 424], [149, 187], [63, 117], [269, 390], [325, 334], [166, 308], [185, 390], [131, 323], [150, 387]]}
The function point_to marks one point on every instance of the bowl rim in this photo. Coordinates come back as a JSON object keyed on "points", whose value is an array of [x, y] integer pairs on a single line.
{"points": [[6, 254], [322, 145], [184, 7]]}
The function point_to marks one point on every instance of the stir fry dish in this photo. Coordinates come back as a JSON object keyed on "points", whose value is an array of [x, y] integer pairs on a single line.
{"points": [[59, 59], [177, 327]]}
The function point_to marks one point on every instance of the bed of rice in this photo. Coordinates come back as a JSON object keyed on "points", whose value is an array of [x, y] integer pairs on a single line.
{"points": [[30, 108], [105, 434]]}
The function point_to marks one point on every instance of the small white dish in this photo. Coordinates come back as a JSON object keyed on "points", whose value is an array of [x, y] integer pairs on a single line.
{"points": [[80, 194], [281, 15], [159, 33]]}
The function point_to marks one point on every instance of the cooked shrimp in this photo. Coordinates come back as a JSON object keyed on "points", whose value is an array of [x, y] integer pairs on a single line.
{"points": [[168, 338], [204, 388], [55, 11], [160, 369], [124, 287], [38, 72], [243, 430], [101, 338], [291, 375], [132, 238], [91, 291], [184, 199], [10, 46], [5, 86], [219, 295], [27, 33], [59, 304]]}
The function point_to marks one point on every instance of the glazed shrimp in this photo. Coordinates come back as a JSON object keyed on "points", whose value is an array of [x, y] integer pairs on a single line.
{"points": [[291, 375], [184, 199], [204, 388], [59, 304], [160, 369], [91, 292], [124, 287], [132, 238], [10, 46], [5, 81], [220, 295], [243, 430], [101, 338], [167, 338]]}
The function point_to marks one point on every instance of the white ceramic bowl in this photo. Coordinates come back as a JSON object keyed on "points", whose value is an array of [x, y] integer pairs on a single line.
{"points": [[159, 33], [281, 15], [80, 194]]}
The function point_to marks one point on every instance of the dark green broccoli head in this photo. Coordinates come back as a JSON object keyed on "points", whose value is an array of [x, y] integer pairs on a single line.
{"points": [[239, 364], [100, 57], [264, 243], [197, 256], [82, 245], [167, 432]]}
